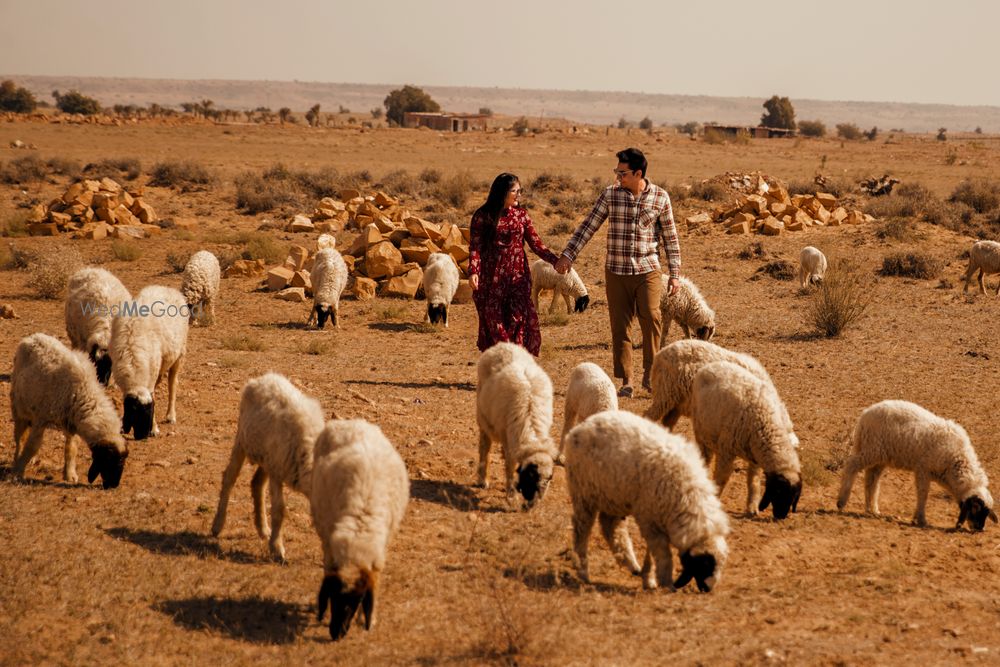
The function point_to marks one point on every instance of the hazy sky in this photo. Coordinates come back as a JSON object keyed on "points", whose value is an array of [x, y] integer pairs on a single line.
{"points": [[888, 50]]}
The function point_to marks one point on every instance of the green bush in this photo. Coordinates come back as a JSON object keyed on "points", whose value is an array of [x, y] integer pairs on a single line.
{"points": [[812, 128], [75, 102], [16, 98], [408, 98]]}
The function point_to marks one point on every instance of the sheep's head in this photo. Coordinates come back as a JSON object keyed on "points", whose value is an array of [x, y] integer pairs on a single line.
{"points": [[437, 313], [704, 333], [322, 313], [345, 600], [581, 303], [781, 493], [704, 568], [102, 362], [138, 416], [108, 463], [533, 477], [975, 510]]}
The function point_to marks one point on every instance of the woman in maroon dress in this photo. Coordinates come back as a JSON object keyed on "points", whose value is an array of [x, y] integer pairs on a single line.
{"points": [[498, 268]]}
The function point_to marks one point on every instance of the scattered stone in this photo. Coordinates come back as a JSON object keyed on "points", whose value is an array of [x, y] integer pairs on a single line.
{"points": [[7, 312], [296, 294]]}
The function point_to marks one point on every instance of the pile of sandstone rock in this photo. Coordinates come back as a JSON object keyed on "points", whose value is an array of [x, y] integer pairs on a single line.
{"points": [[352, 211], [92, 209], [771, 211]]}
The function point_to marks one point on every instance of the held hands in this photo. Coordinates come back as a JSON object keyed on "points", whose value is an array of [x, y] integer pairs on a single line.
{"points": [[474, 281], [563, 265], [673, 284]]}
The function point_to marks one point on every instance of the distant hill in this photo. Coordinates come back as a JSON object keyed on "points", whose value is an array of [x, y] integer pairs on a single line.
{"points": [[582, 106]]}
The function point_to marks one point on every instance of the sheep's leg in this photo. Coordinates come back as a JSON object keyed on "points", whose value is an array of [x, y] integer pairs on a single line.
{"points": [[968, 276], [666, 321], [851, 470], [998, 290], [259, 510], [232, 471], [802, 277], [583, 523], [172, 392], [923, 481], [619, 541], [484, 459], [872, 478], [31, 447], [569, 303], [19, 428], [753, 489], [569, 419], [69, 459], [277, 518], [510, 480], [555, 299], [657, 549], [210, 308], [723, 470], [982, 282], [535, 289]]}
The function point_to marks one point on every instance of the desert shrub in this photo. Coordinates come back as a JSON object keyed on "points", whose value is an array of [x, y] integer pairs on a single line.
{"points": [[261, 246], [430, 176], [897, 229], [753, 251], [400, 182], [841, 299], [911, 265], [909, 200], [16, 98], [242, 343], [50, 270], [646, 123], [125, 251], [520, 126], [25, 169], [14, 224], [981, 195], [176, 261], [454, 191], [15, 258], [62, 166], [187, 175], [315, 347], [848, 131], [255, 194], [714, 137], [75, 102], [407, 98], [779, 269], [319, 183], [392, 312], [710, 191], [812, 128], [561, 228], [802, 188], [128, 168], [556, 319], [550, 181]]}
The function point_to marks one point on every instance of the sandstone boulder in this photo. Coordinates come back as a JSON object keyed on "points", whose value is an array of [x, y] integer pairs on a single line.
{"points": [[364, 288], [295, 294], [382, 260], [404, 286]]}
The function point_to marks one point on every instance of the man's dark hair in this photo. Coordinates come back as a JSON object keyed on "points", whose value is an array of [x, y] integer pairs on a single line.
{"points": [[634, 158]]}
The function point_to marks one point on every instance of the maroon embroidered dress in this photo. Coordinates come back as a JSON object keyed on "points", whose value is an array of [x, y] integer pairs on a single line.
{"points": [[503, 299]]}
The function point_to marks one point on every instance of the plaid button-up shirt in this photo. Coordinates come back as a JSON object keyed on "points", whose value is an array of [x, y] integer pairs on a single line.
{"points": [[637, 224]]}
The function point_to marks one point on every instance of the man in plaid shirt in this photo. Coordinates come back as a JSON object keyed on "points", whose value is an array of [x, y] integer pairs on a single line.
{"points": [[641, 219]]}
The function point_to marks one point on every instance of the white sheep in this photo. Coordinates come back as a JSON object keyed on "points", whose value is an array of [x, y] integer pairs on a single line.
{"points": [[569, 286], [619, 464], [276, 431], [200, 286], [688, 308], [985, 258], [589, 391], [735, 414], [52, 386], [359, 496], [900, 434], [812, 266], [440, 284], [328, 277], [148, 342], [93, 297], [514, 407]]}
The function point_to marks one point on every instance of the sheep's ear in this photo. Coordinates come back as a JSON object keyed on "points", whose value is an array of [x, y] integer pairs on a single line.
{"points": [[683, 579], [993, 515], [582, 303], [325, 593], [368, 607], [798, 494], [93, 472], [963, 512], [765, 500]]}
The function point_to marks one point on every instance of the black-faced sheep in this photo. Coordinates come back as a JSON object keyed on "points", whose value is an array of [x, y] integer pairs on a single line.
{"points": [[688, 308], [200, 285], [812, 266], [440, 284], [569, 286], [93, 297]]}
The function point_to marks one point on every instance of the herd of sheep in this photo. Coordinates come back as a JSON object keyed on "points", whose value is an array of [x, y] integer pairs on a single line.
{"points": [[618, 464]]}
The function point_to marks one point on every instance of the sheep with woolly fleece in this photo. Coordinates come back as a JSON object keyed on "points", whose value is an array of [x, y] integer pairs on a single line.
{"points": [[200, 285], [736, 414], [619, 464], [900, 434], [52, 386], [93, 296], [812, 266], [569, 286], [359, 495], [328, 277], [688, 308], [440, 284], [589, 391], [276, 430], [147, 343], [514, 408], [985, 258]]}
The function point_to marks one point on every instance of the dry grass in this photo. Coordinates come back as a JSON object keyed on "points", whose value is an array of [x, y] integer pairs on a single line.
{"points": [[842, 298], [455, 190], [15, 224], [258, 245], [125, 251], [242, 343], [177, 261], [779, 269], [123, 168], [185, 175], [982, 196], [51, 269], [911, 265]]}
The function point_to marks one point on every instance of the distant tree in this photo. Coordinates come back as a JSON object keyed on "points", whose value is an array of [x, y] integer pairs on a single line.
{"points": [[941, 136], [377, 113], [249, 114], [848, 131], [312, 116], [520, 126], [812, 128], [205, 107], [646, 123], [408, 98], [16, 98], [691, 127], [189, 107], [778, 112], [622, 123], [978, 130], [74, 102], [284, 113], [871, 134], [344, 109], [485, 111]]}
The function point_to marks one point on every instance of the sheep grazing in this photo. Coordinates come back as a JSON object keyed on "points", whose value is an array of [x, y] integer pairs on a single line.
{"points": [[200, 286], [94, 296], [735, 414], [688, 308], [276, 429], [53, 386], [514, 407], [619, 464], [329, 277], [589, 391], [570, 287], [147, 343], [440, 284], [899, 434], [359, 495], [985, 258], [812, 266]]}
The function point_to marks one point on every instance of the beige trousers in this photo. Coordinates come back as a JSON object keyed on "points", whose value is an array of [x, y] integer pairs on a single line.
{"points": [[629, 297]]}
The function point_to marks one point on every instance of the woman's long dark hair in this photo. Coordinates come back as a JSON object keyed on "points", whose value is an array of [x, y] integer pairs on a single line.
{"points": [[491, 210]]}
